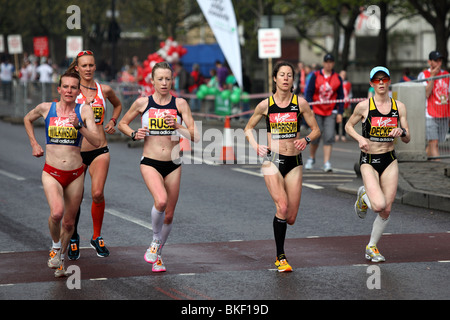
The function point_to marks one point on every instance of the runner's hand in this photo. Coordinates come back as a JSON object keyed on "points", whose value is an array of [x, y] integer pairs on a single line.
{"points": [[262, 150]]}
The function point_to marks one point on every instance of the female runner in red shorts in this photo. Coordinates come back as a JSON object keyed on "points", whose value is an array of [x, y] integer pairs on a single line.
{"points": [[96, 159]]}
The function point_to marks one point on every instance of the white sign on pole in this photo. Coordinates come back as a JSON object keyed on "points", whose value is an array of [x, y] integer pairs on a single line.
{"points": [[74, 44], [15, 44], [2, 44], [269, 43], [222, 20]]}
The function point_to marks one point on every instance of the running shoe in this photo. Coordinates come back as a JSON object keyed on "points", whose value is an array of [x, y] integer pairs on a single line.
{"points": [[74, 249], [373, 254], [151, 255], [60, 271], [309, 163], [99, 246], [54, 260], [327, 167], [283, 265], [158, 265], [360, 205]]}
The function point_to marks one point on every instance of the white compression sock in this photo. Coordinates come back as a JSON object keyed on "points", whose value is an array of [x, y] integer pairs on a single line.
{"points": [[157, 223], [166, 228], [377, 230]]}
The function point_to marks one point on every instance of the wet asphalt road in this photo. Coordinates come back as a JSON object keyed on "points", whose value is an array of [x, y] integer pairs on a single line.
{"points": [[221, 248]]}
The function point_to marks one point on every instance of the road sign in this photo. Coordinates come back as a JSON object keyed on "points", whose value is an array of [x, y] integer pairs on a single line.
{"points": [[40, 46], [2, 44], [269, 43], [74, 46], [15, 44]]}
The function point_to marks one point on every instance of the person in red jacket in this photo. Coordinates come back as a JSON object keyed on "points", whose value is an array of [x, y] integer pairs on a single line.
{"points": [[438, 108], [325, 85]]}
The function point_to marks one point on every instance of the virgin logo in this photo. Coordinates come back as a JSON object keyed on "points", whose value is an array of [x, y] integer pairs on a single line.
{"points": [[161, 113], [282, 117], [384, 122], [62, 122]]}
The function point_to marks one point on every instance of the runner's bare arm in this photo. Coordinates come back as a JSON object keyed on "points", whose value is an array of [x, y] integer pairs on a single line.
{"points": [[135, 110], [260, 111], [39, 111]]}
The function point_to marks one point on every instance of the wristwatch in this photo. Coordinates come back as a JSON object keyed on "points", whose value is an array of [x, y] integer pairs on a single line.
{"points": [[79, 125], [403, 133], [133, 135], [308, 140]]}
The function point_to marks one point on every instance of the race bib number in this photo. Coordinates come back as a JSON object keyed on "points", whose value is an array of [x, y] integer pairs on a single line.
{"points": [[381, 127], [283, 125], [98, 113], [156, 123], [61, 131]]}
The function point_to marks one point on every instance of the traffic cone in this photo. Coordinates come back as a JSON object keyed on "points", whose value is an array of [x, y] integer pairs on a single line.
{"points": [[227, 154], [185, 144]]}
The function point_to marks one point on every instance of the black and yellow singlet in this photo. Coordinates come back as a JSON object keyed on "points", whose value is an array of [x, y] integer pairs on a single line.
{"points": [[377, 126], [283, 123]]}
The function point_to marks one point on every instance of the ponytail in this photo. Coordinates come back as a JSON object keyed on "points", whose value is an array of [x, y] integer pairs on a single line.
{"points": [[72, 66]]}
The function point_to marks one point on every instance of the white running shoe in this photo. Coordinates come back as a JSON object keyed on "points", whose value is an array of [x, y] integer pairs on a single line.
{"points": [[373, 254], [360, 205], [309, 163], [327, 167], [158, 266], [61, 271], [151, 255], [54, 259]]}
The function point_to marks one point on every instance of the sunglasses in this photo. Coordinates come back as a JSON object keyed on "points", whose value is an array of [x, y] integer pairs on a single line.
{"points": [[378, 80], [85, 52]]}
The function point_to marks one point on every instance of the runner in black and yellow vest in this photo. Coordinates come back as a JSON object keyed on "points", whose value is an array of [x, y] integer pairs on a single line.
{"points": [[383, 119], [282, 166]]}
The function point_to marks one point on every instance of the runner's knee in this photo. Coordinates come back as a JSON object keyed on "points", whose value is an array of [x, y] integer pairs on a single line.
{"points": [[56, 215], [282, 209], [378, 206], [98, 196], [160, 204]]}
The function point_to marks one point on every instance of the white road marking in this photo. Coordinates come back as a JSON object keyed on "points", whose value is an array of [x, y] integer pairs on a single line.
{"points": [[129, 218], [253, 173], [12, 176]]}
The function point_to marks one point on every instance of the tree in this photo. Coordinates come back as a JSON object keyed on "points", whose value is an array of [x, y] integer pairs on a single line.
{"points": [[435, 12], [342, 14], [160, 18], [353, 12]]}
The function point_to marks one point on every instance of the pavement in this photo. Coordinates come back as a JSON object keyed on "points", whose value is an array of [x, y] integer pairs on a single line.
{"points": [[423, 184]]}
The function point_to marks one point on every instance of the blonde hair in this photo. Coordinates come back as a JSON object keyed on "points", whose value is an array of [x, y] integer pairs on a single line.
{"points": [[161, 65], [74, 63]]}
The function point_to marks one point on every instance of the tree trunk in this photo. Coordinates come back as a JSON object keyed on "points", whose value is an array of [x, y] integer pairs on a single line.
{"points": [[381, 55]]}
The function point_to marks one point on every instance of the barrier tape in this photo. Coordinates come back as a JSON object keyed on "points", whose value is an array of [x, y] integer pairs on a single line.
{"points": [[236, 115], [265, 95], [431, 78]]}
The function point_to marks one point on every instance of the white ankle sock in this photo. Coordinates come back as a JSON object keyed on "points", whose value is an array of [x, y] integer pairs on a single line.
{"points": [[56, 245]]}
